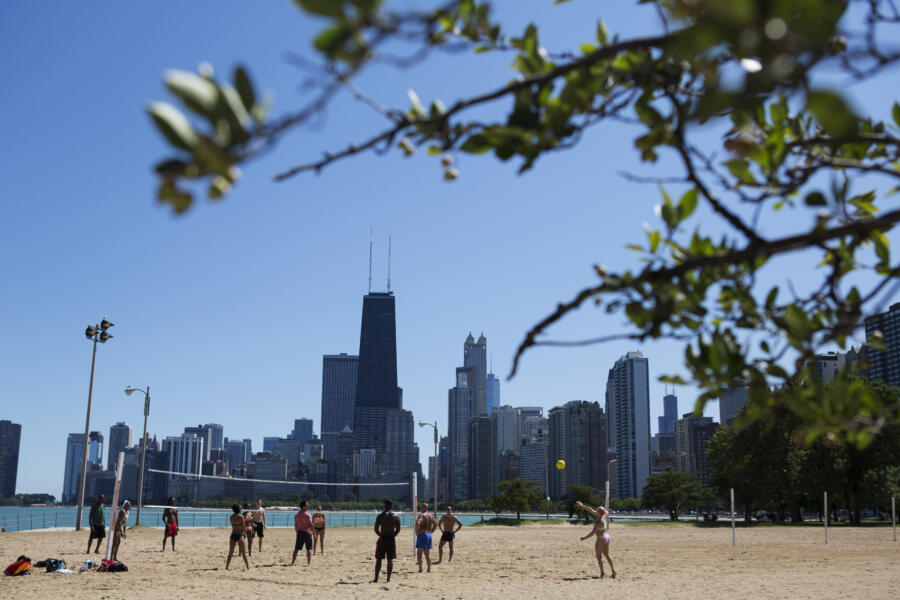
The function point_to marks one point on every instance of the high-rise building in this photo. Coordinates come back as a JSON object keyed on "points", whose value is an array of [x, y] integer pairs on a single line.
{"points": [[205, 433], [339, 375], [10, 438], [884, 365], [303, 430], [578, 436], [344, 458], [732, 401], [379, 420], [493, 393], [666, 423], [692, 436], [529, 417], [119, 441], [217, 436], [475, 355], [72, 470], [289, 450], [186, 454], [269, 444], [459, 409], [628, 409], [480, 451], [505, 425], [237, 452], [533, 464]]}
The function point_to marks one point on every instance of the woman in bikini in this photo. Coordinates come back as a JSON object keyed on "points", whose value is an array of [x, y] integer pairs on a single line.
{"points": [[248, 527], [238, 531], [318, 521], [601, 530]]}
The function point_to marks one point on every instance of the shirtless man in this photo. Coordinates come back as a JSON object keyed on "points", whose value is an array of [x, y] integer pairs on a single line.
{"points": [[120, 529], [387, 526], [318, 521], [601, 530], [448, 533], [238, 531], [425, 526], [259, 521], [170, 523]]}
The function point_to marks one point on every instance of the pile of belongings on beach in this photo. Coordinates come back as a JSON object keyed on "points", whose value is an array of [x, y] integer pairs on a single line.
{"points": [[112, 566], [22, 566], [53, 565]]}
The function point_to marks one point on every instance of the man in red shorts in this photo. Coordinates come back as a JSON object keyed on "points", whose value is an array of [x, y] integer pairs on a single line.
{"points": [[170, 523], [387, 526]]}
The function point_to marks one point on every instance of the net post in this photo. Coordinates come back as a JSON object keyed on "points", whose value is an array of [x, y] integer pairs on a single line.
{"points": [[119, 464], [733, 534], [894, 516], [826, 517], [607, 496], [415, 510]]}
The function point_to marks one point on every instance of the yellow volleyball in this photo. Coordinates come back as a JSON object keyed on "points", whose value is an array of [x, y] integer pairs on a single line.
{"points": [[560, 464]]}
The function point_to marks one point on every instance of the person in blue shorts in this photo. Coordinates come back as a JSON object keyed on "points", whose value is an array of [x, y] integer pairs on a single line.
{"points": [[425, 526]]}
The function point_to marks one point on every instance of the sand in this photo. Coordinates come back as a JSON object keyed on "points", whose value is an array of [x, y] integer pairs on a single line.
{"points": [[536, 561]]}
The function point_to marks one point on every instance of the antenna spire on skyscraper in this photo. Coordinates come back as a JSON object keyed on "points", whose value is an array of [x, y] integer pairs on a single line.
{"points": [[389, 264], [371, 231]]}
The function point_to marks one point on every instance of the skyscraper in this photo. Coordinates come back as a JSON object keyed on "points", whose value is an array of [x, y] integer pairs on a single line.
{"points": [[692, 436], [480, 452], [379, 421], [237, 452], [303, 431], [884, 365], [119, 441], [217, 436], [493, 393], [732, 401], [578, 436], [186, 454], [628, 408], [72, 469], [475, 355], [339, 374], [666, 423], [206, 433], [505, 425], [10, 438], [527, 415], [459, 414]]}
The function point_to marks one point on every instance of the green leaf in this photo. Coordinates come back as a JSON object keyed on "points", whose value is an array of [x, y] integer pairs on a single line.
{"points": [[173, 125], [815, 199], [832, 112], [325, 8], [896, 114], [602, 33], [739, 168], [688, 203], [244, 87], [198, 94]]}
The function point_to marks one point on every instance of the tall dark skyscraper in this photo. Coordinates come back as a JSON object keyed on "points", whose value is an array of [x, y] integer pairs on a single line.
{"points": [[303, 431], [578, 436], [628, 422], [379, 421], [475, 355], [666, 423], [459, 415], [339, 373], [119, 441], [10, 437], [884, 365]]}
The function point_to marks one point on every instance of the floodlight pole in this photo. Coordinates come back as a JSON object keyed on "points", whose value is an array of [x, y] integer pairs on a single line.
{"points": [[143, 454], [87, 426]]}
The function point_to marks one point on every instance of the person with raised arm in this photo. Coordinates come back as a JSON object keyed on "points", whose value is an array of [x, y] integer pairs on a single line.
{"points": [[601, 530]]}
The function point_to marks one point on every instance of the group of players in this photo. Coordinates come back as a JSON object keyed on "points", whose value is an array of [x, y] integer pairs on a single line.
{"points": [[247, 523]]}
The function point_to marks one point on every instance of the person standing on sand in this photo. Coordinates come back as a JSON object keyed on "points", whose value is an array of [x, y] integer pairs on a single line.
{"points": [[448, 533], [120, 530], [97, 522], [425, 526], [387, 526], [238, 531], [318, 521], [170, 523], [248, 526], [303, 527], [601, 530], [259, 522]]}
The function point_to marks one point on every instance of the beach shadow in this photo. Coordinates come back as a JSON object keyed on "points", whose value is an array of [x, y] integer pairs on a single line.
{"points": [[350, 583], [205, 569], [586, 578]]}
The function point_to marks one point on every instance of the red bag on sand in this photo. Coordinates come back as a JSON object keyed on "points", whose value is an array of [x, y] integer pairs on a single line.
{"points": [[20, 567]]}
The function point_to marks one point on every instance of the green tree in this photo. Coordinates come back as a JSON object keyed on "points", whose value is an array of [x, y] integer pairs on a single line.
{"points": [[581, 493], [670, 491], [740, 94], [515, 495]]}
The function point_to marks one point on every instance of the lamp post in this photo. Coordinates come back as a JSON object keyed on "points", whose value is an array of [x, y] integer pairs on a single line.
{"points": [[128, 391], [436, 460], [96, 333]]}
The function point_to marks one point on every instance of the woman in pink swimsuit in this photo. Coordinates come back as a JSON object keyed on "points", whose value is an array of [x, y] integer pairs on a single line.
{"points": [[601, 530]]}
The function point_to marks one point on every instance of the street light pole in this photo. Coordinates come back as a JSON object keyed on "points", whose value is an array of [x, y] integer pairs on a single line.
{"points": [[140, 500], [96, 333]]}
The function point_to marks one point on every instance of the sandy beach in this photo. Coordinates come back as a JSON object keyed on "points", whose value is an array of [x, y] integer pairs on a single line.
{"points": [[533, 561]]}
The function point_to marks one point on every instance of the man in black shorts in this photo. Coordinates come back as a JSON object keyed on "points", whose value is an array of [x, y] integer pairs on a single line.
{"points": [[303, 527], [448, 525], [387, 526], [97, 521]]}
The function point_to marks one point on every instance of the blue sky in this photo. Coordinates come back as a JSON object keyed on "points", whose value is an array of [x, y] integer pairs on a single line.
{"points": [[226, 312]]}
